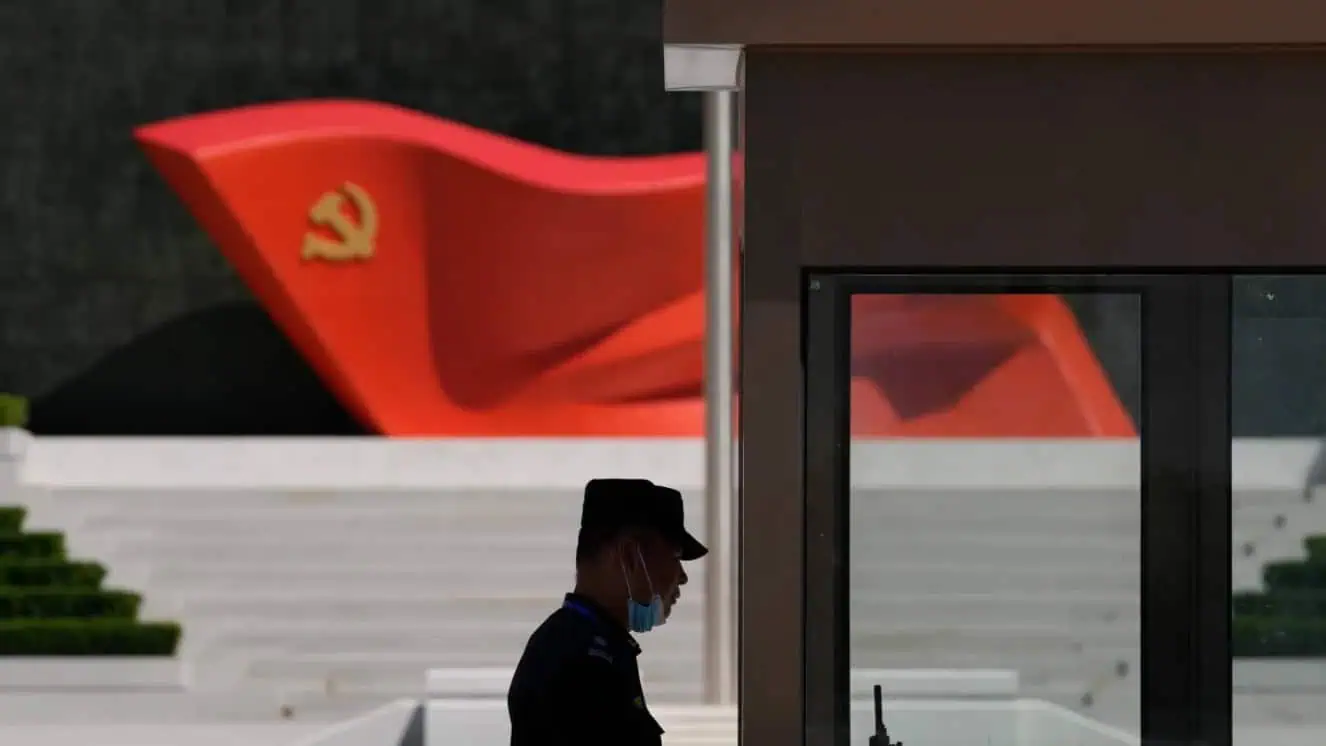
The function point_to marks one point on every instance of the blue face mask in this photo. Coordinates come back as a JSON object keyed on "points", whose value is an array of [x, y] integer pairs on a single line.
{"points": [[643, 617]]}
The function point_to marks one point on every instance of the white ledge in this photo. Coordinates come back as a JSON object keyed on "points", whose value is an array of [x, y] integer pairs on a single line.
{"points": [[702, 67], [45, 674]]}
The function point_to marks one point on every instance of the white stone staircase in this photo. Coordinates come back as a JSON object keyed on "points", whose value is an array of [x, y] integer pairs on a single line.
{"points": [[315, 595], [317, 598], [1271, 525], [350, 596], [1044, 582]]}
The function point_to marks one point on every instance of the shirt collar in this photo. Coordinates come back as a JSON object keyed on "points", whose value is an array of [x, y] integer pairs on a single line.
{"points": [[604, 620]]}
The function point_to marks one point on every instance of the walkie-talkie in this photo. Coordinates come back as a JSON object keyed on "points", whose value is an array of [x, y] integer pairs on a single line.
{"points": [[881, 737]]}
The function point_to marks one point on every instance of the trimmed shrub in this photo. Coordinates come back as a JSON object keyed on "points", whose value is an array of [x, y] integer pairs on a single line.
{"points": [[52, 637], [1316, 546], [53, 606], [1277, 637], [1295, 576], [11, 518], [67, 603], [13, 411], [51, 573], [1299, 604], [35, 545]]}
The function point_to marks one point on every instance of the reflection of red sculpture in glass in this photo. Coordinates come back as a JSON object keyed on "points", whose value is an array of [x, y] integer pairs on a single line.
{"points": [[513, 290]]}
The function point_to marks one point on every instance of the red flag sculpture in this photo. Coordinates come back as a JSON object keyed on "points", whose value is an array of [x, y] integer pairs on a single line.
{"points": [[448, 281]]}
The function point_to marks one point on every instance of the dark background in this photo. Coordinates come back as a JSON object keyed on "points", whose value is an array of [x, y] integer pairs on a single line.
{"points": [[118, 315]]}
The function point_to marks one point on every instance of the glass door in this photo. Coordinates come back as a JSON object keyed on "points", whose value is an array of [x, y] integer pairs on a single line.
{"points": [[1278, 533], [1009, 483]]}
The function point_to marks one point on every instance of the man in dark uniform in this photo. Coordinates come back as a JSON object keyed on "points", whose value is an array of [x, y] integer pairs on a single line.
{"points": [[578, 682]]}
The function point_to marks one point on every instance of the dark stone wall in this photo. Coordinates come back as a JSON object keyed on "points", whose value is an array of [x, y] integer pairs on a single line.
{"points": [[1279, 355], [97, 253]]}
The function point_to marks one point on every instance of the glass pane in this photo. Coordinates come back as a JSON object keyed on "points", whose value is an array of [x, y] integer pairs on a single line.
{"points": [[995, 516], [1279, 518]]}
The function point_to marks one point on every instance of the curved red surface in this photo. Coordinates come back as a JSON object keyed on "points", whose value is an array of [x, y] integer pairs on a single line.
{"points": [[518, 291]]}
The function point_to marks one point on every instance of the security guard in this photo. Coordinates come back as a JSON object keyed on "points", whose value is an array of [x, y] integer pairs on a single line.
{"points": [[577, 681]]}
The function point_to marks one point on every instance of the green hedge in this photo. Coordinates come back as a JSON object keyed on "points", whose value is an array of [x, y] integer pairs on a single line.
{"points": [[1300, 604], [13, 411], [67, 603], [51, 573], [35, 545], [1289, 618], [87, 637], [1271, 637], [1295, 575], [53, 606], [1316, 546], [11, 518]]}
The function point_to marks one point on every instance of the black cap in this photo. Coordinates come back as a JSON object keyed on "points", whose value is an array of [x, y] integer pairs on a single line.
{"points": [[639, 503]]}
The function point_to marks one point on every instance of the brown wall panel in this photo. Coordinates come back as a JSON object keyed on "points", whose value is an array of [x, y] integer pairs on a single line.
{"points": [[1039, 160], [981, 22]]}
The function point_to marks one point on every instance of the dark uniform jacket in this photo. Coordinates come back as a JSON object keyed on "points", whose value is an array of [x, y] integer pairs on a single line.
{"points": [[578, 683]]}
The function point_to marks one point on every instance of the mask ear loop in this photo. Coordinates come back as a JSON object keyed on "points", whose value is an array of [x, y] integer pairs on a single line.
{"points": [[626, 576], [645, 569]]}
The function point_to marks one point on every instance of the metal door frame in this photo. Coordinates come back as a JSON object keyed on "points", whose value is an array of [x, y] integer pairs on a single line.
{"points": [[860, 161], [796, 639]]}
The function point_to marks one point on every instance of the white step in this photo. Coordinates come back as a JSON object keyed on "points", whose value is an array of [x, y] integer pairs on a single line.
{"points": [[1247, 576], [500, 598], [366, 590], [383, 672], [1272, 544], [392, 638], [1301, 519], [549, 547], [240, 588], [393, 525], [153, 708], [165, 499], [1253, 498], [543, 546], [325, 583], [395, 628], [997, 609], [977, 637], [936, 578], [299, 603], [456, 510], [223, 606], [1068, 504], [1067, 508], [888, 526], [385, 636], [544, 581], [529, 574], [344, 523], [255, 611], [90, 673], [1266, 553], [1033, 665], [467, 721]]}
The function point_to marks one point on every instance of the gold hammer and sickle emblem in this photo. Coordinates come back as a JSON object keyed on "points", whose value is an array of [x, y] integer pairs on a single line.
{"points": [[356, 240]]}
